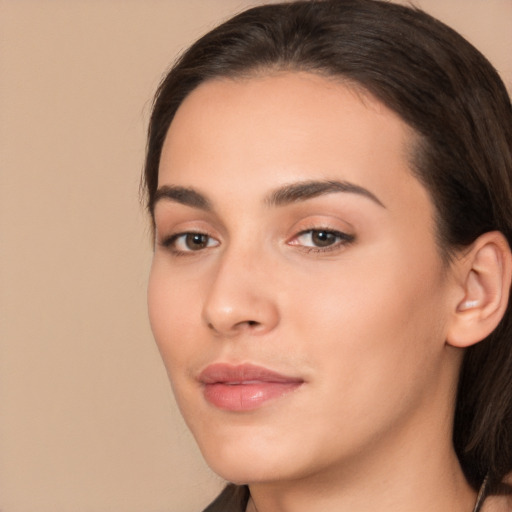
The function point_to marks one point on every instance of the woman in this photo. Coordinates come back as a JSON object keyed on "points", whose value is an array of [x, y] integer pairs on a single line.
{"points": [[330, 188]]}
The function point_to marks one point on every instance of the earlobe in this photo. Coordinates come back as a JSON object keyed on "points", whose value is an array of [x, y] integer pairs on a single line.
{"points": [[485, 278]]}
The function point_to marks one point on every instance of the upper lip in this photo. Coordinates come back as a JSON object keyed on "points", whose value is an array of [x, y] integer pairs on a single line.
{"points": [[243, 373]]}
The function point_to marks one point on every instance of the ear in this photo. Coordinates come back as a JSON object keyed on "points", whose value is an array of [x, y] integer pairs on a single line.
{"points": [[484, 277]]}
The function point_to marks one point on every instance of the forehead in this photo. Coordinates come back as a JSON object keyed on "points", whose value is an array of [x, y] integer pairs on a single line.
{"points": [[265, 131]]}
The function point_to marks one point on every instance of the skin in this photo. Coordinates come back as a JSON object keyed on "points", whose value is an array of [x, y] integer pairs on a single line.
{"points": [[363, 321]]}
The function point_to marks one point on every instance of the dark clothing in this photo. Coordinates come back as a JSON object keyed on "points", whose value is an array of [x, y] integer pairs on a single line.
{"points": [[233, 498]]}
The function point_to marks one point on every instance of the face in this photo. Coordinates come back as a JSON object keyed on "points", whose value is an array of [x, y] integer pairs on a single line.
{"points": [[297, 294]]}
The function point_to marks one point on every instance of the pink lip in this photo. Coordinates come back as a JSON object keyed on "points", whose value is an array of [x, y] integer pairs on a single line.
{"points": [[244, 387]]}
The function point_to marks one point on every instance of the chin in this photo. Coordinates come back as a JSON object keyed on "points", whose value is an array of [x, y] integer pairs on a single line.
{"points": [[245, 470], [247, 458]]}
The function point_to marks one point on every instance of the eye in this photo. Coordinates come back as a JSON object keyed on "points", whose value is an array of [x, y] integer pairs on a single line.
{"points": [[189, 242], [321, 239]]}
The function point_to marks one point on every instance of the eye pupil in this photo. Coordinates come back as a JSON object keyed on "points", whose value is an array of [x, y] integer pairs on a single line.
{"points": [[195, 241], [323, 238]]}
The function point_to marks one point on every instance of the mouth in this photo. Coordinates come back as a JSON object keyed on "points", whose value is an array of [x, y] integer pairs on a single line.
{"points": [[244, 387]]}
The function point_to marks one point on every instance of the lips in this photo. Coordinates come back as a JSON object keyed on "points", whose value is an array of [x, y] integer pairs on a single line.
{"points": [[244, 387]]}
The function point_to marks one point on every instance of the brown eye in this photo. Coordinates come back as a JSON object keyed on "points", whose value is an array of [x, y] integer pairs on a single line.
{"points": [[189, 242], [196, 241], [323, 238]]}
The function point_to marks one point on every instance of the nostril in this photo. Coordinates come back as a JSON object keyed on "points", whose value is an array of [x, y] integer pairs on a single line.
{"points": [[238, 327], [247, 324]]}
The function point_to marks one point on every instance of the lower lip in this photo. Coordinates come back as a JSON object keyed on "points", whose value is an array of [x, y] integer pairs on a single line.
{"points": [[246, 396]]}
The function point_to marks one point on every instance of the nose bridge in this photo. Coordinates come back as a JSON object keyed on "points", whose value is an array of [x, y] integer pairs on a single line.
{"points": [[240, 297]]}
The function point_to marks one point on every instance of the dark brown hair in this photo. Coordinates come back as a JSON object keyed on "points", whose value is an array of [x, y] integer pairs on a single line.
{"points": [[456, 103]]}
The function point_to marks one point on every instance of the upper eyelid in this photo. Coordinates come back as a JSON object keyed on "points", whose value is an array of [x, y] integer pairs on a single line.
{"points": [[299, 208], [168, 227], [200, 231], [175, 235], [323, 228], [169, 242], [340, 234], [333, 225]]}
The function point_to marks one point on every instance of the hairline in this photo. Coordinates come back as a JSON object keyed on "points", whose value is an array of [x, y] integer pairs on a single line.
{"points": [[415, 146]]}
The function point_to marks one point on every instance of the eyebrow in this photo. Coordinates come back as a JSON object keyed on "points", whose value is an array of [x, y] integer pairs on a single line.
{"points": [[309, 189], [182, 195], [283, 196]]}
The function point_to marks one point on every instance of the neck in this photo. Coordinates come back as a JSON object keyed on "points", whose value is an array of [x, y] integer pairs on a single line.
{"points": [[393, 489], [398, 473]]}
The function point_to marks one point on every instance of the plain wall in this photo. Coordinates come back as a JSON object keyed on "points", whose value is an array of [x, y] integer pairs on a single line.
{"points": [[87, 419]]}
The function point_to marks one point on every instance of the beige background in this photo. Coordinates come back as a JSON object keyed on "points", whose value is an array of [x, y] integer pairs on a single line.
{"points": [[87, 420]]}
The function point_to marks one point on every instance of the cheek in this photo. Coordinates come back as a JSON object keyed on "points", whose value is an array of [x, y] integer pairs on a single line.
{"points": [[370, 318], [369, 337], [173, 314]]}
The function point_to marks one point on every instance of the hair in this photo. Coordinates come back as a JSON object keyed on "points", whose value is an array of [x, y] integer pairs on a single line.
{"points": [[460, 111]]}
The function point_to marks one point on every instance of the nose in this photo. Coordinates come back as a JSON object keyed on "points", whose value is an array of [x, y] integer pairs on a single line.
{"points": [[241, 298]]}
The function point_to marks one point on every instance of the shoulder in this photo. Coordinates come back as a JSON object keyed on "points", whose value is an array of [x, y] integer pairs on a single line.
{"points": [[499, 503]]}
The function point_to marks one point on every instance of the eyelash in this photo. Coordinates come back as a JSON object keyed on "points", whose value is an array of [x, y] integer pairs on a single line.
{"points": [[343, 239], [169, 243]]}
